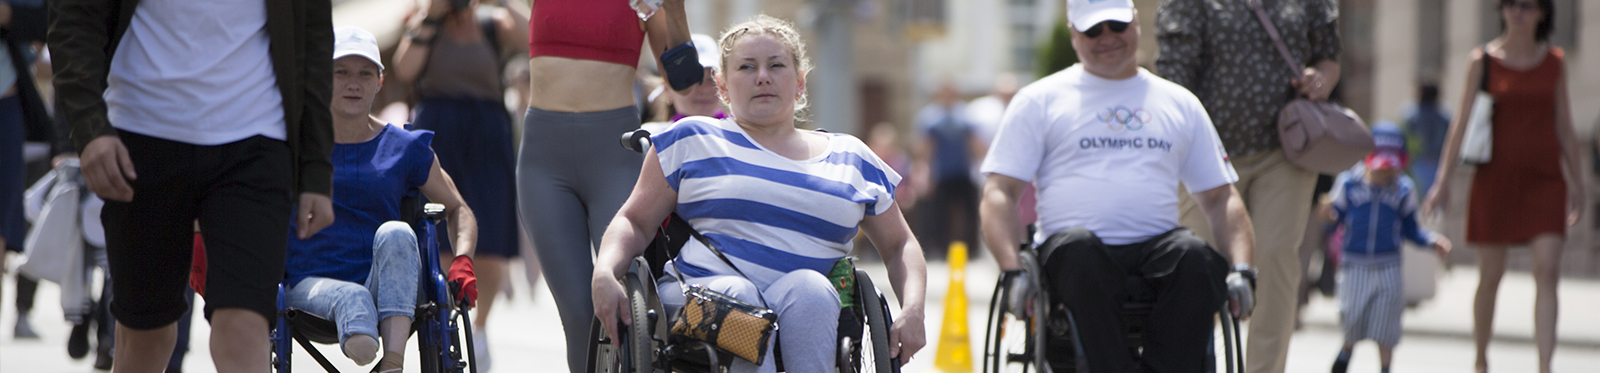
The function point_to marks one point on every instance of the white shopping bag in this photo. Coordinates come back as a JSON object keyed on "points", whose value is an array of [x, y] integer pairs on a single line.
{"points": [[53, 250]]}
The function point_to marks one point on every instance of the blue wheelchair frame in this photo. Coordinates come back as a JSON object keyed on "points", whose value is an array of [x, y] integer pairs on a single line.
{"points": [[437, 321]]}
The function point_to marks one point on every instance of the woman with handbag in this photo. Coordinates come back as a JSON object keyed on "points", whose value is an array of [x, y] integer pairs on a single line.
{"points": [[777, 207], [1223, 52], [1516, 195]]}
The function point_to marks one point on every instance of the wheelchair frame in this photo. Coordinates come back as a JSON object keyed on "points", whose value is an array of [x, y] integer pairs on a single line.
{"points": [[650, 347], [997, 354], [439, 321]]}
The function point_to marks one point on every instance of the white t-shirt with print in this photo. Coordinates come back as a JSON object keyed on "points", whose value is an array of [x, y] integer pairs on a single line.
{"points": [[1107, 155]]}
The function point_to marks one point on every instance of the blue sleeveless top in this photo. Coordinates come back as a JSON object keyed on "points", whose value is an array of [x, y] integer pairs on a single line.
{"points": [[369, 179]]}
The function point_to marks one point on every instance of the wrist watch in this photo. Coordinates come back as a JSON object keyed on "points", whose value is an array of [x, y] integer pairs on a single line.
{"points": [[1246, 271]]}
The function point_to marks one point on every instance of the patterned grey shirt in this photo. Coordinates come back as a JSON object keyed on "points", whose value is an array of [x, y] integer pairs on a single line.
{"points": [[1219, 50]]}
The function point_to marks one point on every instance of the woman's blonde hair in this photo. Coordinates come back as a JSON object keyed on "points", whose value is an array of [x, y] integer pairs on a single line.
{"points": [[784, 32]]}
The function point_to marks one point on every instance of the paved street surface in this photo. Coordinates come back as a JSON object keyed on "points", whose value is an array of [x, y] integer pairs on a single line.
{"points": [[526, 336]]}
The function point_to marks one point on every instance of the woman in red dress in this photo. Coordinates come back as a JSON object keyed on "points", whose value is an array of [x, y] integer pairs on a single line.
{"points": [[1517, 197]]}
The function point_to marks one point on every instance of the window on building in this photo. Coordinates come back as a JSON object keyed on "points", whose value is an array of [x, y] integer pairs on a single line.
{"points": [[923, 19]]}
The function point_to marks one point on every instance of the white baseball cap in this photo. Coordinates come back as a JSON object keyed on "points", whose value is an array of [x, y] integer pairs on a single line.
{"points": [[1086, 13], [351, 40], [708, 50]]}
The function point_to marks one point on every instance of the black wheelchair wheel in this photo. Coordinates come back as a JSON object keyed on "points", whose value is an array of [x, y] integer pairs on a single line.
{"points": [[1007, 340], [874, 355], [635, 353]]}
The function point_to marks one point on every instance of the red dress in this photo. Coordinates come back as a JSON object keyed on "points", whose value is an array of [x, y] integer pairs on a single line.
{"points": [[1521, 193]]}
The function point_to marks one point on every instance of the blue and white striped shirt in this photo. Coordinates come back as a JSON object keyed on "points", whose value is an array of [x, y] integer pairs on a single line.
{"points": [[769, 214]]}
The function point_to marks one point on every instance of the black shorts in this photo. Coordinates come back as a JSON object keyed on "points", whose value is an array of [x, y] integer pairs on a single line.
{"points": [[241, 194]]}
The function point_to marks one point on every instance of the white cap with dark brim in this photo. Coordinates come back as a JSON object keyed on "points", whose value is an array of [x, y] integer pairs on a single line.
{"points": [[351, 40], [710, 53], [1086, 13]]}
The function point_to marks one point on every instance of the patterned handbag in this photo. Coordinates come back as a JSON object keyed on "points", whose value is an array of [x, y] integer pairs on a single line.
{"points": [[732, 325]]}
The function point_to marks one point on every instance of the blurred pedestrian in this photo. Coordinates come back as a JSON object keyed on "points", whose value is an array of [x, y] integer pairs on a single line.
{"points": [[700, 100], [1238, 73], [1517, 197], [188, 110], [454, 59], [1378, 209], [985, 114], [949, 142], [571, 175], [22, 118], [1428, 124]]}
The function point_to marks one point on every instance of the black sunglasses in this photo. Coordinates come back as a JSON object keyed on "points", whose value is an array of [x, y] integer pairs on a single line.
{"points": [[1094, 31], [1521, 5]]}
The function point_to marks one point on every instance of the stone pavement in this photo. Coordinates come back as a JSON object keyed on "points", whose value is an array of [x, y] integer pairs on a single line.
{"points": [[1449, 313], [526, 334]]}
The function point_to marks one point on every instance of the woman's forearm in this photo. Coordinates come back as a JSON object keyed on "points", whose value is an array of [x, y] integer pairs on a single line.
{"points": [[464, 227]]}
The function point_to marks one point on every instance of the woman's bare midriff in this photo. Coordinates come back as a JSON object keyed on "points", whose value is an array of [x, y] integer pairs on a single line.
{"points": [[569, 85]]}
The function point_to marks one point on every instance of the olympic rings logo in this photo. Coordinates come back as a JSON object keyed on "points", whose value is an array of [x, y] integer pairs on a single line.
{"points": [[1117, 118]]}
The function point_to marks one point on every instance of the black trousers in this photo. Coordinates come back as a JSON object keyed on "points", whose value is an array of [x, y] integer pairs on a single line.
{"points": [[1177, 272]]}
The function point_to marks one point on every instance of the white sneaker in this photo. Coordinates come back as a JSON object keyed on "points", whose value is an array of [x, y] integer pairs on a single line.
{"points": [[480, 349]]}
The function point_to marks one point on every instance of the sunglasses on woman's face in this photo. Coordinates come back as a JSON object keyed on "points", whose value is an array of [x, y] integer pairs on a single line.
{"points": [[1097, 29], [1526, 6]]}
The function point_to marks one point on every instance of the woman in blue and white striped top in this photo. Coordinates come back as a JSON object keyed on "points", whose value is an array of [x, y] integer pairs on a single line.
{"points": [[783, 204]]}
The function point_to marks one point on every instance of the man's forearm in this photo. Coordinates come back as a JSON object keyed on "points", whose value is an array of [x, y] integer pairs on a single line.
{"points": [[997, 212], [1230, 223]]}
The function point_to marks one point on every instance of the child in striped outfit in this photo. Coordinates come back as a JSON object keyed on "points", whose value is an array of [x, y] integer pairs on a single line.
{"points": [[1378, 209]]}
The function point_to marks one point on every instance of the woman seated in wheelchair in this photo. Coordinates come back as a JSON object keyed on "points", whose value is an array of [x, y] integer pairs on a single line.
{"points": [[781, 203], [362, 271]]}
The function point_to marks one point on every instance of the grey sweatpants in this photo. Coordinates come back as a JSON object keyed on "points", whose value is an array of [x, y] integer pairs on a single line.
{"points": [[572, 177], [808, 316]]}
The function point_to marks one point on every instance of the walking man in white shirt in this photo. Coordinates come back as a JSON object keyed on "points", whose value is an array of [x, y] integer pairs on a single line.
{"points": [[215, 111]]}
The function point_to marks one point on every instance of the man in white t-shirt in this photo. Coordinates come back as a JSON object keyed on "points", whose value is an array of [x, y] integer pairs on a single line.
{"points": [[1107, 144], [208, 111]]}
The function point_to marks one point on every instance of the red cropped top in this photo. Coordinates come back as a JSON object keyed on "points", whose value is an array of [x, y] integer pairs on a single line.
{"points": [[606, 31]]}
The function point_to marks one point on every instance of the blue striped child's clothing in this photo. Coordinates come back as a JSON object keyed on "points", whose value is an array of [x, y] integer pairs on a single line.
{"points": [[769, 214], [1376, 218]]}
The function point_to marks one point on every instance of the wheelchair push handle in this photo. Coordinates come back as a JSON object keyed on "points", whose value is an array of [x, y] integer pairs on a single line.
{"points": [[433, 211], [636, 140]]}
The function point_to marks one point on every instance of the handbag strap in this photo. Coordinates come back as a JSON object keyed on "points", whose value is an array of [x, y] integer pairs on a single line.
{"points": [[1483, 85], [707, 243], [1272, 31]]}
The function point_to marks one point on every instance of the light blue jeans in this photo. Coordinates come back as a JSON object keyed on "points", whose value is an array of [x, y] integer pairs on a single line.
{"points": [[390, 290]]}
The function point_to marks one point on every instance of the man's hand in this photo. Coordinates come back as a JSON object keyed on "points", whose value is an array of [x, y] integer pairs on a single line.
{"points": [[107, 168], [906, 336], [462, 276], [1241, 296], [315, 213], [1021, 293]]}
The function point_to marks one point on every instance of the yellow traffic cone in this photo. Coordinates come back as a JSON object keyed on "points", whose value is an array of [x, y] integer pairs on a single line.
{"points": [[955, 348]]}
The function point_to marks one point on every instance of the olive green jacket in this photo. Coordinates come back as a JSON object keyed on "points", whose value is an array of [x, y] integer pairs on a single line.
{"points": [[84, 34]]}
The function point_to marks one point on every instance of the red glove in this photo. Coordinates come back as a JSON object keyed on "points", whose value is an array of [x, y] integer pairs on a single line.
{"points": [[197, 266], [465, 281]]}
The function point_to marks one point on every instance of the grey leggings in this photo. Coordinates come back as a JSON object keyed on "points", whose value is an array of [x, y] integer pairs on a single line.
{"points": [[572, 177]]}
